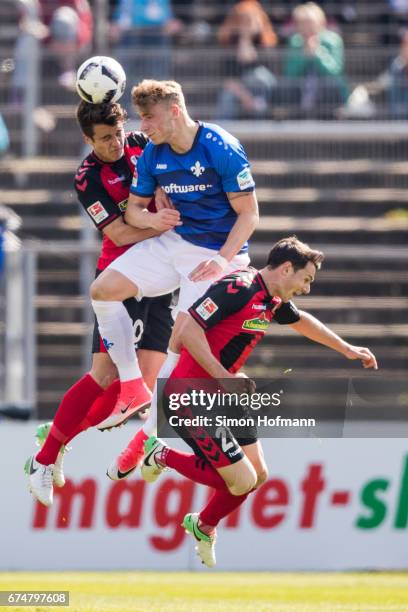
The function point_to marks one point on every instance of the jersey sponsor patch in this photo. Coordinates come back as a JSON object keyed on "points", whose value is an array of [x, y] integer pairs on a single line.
{"points": [[260, 323], [206, 309], [245, 179], [97, 212]]}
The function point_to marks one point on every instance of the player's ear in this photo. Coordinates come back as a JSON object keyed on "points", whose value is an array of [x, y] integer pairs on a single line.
{"points": [[175, 110], [287, 268], [88, 140]]}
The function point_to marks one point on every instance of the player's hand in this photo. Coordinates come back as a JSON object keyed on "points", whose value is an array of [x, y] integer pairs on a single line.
{"points": [[162, 200], [165, 219], [239, 383], [206, 270], [366, 357]]}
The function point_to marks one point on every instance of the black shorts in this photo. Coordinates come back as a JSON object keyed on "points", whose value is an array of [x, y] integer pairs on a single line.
{"points": [[219, 445], [152, 323]]}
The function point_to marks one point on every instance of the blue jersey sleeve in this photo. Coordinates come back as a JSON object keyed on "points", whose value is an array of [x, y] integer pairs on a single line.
{"points": [[234, 168], [143, 183]]}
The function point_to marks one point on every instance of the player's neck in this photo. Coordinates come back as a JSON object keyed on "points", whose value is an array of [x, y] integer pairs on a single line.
{"points": [[184, 136], [270, 280]]}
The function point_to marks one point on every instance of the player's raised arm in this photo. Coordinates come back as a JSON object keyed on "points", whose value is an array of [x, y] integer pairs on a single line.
{"points": [[315, 330]]}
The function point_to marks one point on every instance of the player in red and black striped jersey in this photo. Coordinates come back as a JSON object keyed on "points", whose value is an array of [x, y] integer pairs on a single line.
{"points": [[102, 184], [225, 325], [235, 313]]}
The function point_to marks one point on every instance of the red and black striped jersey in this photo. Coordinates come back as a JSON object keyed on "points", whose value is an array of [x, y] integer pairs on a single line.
{"points": [[103, 190], [235, 312]]}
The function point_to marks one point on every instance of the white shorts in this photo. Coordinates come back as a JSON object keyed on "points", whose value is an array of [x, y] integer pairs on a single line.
{"points": [[162, 264]]}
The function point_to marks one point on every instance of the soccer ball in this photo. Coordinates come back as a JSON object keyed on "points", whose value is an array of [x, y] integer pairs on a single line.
{"points": [[100, 79]]}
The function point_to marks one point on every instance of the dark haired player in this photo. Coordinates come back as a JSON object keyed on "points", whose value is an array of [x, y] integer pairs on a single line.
{"points": [[102, 184], [224, 327]]}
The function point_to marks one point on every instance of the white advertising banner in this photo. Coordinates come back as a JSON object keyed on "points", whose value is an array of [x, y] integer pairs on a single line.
{"points": [[328, 504]]}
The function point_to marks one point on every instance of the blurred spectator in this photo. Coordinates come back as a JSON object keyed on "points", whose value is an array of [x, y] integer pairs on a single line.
{"points": [[4, 137], [70, 25], [247, 28], [397, 82], [29, 26], [2, 232], [143, 30], [315, 63]]}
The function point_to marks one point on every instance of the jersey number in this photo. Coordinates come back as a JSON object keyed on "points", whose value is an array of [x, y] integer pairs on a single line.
{"points": [[138, 329], [221, 434]]}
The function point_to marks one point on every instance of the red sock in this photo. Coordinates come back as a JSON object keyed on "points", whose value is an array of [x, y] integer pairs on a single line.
{"points": [[100, 409], [194, 468], [71, 412], [220, 505]]}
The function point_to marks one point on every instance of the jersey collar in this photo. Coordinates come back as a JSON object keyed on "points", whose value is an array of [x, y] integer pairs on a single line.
{"points": [[196, 137]]}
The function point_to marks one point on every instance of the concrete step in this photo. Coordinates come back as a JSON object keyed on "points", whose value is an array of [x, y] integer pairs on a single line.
{"points": [[373, 231], [56, 174], [341, 310], [299, 201]]}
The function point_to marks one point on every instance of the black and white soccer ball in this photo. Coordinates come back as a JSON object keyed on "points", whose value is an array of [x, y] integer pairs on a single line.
{"points": [[100, 79]]}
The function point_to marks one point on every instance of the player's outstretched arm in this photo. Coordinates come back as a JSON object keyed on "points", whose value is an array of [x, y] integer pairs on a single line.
{"points": [[246, 206], [137, 215], [315, 330]]}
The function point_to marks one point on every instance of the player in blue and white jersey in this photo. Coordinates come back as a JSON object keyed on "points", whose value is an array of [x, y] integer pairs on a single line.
{"points": [[206, 173]]}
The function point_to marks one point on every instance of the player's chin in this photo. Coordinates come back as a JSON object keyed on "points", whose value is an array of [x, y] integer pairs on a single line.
{"points": [[156, 139], [117, 153]]}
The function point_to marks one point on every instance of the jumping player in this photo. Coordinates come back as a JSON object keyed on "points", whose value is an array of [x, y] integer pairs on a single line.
{"points": [[222, 329], [205, 171], [102, 184]]}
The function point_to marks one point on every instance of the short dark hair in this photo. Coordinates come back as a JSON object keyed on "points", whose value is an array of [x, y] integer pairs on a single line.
{"points": [[293, 250], [88, 115]]}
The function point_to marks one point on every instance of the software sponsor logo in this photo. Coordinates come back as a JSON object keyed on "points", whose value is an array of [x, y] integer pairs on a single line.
{"points": [[173, 188]]}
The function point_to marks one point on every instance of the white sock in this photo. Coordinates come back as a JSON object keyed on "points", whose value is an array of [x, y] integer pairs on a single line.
{"points": [[116, 330], [169, 365], [150, 425]]}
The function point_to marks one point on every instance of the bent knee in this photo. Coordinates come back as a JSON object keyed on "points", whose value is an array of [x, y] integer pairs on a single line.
{"points": [[98, 291], [244, 484], [262, 477]]}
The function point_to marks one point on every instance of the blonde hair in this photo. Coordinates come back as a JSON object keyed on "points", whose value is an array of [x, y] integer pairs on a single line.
{"points": [[310, 10], [150, 92]]}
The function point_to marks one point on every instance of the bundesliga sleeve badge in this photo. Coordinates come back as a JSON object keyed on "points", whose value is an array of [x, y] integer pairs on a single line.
{"points": [[206, 309], [97, 211], [244, 179]]}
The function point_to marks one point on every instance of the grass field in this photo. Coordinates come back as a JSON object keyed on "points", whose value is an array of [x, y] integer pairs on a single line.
{"points": [[216, 591]]}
